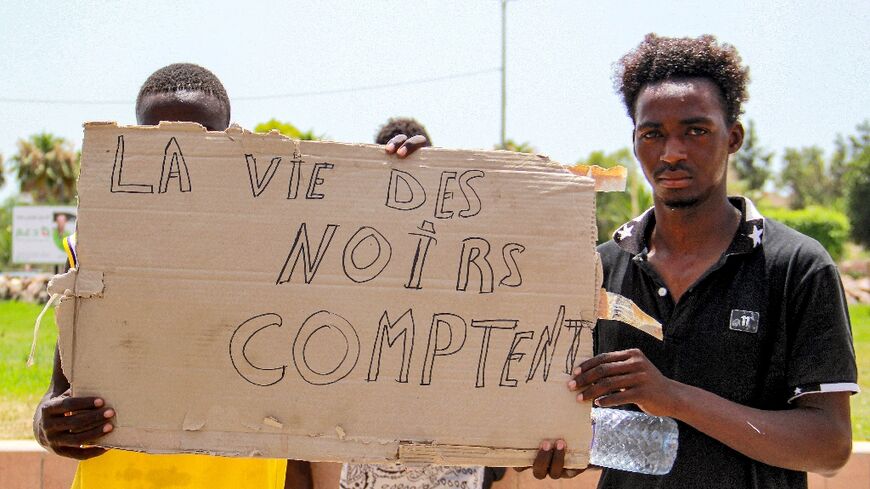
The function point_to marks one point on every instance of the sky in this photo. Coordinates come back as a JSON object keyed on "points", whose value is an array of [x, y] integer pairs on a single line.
{"points": [[324, 65]]}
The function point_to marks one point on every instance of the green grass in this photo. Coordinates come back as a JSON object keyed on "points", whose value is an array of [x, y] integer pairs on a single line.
{"points": [[22, 387], [860, 316]]}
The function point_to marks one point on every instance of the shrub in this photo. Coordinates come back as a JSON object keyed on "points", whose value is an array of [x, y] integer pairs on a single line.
{"points": [[827, 226]]}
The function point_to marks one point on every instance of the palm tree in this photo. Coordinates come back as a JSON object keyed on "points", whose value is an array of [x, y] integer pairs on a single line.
{"points": [[47, 167]]}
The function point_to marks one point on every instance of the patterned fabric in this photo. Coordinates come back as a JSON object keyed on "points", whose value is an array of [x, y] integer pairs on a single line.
{"points": [[365, 476]]}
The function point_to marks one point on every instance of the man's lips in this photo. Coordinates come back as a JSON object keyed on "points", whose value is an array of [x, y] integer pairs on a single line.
{"points": [[674, 179]]}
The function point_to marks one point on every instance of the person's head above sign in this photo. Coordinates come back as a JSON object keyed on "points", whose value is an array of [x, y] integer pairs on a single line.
{"points": [[396, 126], [684, 96], [183, 92], [402, 136]]}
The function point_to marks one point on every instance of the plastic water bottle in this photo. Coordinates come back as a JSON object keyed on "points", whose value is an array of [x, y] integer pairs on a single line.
{"points": [[633, 441]]}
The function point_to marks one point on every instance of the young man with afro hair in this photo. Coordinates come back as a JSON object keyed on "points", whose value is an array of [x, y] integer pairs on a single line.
{"points": [[403, 129], [757, 363], [409, 133], [69, 426]]}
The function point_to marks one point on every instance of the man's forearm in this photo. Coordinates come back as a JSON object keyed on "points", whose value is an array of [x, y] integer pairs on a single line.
{"points": [[814, 436]]}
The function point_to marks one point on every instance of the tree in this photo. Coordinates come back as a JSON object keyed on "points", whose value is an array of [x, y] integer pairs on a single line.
{"points": [[2, 172], [511, 145], [752, 164], [288, 130], [839, 164], [617, 208], [47, 168], [806, 175], [858, 183]]}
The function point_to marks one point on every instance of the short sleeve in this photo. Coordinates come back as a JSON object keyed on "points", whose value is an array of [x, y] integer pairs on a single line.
{"points": [[821, 357]]}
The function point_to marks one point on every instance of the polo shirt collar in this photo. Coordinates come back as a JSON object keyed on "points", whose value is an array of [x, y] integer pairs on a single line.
{"points": [[631, 236]]}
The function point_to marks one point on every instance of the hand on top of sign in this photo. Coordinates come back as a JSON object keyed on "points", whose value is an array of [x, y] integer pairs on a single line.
{"points": [[64, 424], [402, 145], [624, 377], [550, 461]]}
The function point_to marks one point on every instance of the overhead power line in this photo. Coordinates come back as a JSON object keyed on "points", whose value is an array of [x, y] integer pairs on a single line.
{"points": [[311, 93], [372, 87], [503, 72], [61, 101]]}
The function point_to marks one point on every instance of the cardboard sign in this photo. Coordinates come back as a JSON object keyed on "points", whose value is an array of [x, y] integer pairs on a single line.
{"points": [[248, 294]]}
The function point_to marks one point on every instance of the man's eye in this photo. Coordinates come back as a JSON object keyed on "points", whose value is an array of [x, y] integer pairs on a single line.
{"points": [[650, 135], [697, 131]]}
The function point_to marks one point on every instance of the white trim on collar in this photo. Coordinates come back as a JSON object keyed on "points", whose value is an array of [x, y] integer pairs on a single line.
{"points": [[752, 213]]}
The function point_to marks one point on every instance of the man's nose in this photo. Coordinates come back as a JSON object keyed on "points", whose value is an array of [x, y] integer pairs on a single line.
{"points": [[674, 150]]}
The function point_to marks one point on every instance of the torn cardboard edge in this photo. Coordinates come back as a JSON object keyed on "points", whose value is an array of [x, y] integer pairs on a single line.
{"points": [[606, 179], [615, 307], [85, 284], [409, 453], [366, 451]]}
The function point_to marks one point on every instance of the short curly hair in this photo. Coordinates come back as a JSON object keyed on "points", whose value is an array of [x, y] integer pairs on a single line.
{"points": [[184, 76], [660, 58], [401, 125]]}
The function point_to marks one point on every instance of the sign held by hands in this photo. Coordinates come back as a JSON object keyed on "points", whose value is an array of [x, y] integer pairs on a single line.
{"points": [[247, 294]]}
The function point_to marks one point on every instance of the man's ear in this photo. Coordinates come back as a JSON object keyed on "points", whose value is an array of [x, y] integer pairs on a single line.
{"points": [[735, 137]]}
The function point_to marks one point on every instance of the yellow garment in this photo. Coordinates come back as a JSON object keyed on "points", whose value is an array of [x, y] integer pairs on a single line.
{"points": [[119, 469]]}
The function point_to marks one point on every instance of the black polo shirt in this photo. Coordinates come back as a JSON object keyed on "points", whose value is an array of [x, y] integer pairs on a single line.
{"points": [[766, 324]]}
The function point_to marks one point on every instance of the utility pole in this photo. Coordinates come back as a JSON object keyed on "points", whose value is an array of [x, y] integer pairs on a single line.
{"points": [[503, 64]]}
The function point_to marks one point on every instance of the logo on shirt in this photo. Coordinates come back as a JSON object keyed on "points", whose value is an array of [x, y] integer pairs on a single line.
{"points": [[746, 321]]}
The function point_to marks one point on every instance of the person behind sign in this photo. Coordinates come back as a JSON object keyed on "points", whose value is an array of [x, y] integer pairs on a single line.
{"points": [[66, 424], [757, 363], [403, 130], [369, 476]]}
